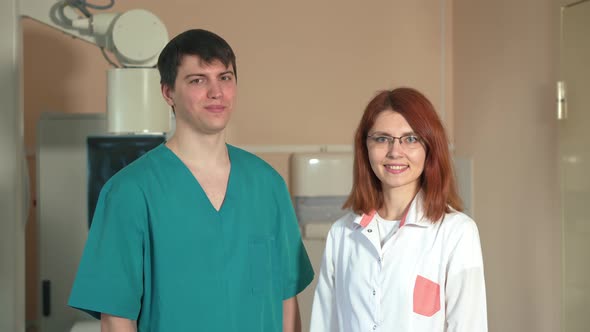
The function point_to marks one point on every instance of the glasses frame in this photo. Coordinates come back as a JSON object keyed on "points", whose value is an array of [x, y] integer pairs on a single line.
{"points": [[391, 140]]}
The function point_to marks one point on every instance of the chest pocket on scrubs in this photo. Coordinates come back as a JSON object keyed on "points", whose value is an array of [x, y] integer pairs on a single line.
{"points": [[426, 297], [260, 251]]}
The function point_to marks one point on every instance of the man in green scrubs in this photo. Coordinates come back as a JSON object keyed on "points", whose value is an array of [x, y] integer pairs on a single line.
{"points": [[196, 235]]}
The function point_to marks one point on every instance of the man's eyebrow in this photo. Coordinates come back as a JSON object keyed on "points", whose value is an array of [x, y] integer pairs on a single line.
{"points": [[204, 75]]}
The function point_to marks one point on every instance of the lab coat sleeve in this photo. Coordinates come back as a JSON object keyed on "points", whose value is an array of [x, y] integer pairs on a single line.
{"points": [[324, 313], [465, 287]]}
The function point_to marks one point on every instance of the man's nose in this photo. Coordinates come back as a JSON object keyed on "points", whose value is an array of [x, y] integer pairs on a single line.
{"points": [[214, 91]]}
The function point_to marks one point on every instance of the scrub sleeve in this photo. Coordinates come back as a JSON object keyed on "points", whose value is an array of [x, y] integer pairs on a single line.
{"points": [[109, 278], [297, 270]]}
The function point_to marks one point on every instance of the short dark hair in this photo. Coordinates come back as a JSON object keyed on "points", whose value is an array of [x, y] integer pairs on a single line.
{"points": [[202, 43], [438, 178]]}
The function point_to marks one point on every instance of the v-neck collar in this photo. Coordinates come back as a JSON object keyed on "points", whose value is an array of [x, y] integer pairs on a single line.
{"points": [[198, 187]]}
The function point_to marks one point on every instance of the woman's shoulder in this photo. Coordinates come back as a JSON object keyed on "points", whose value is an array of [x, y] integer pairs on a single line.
{"points": [[458, 225], [458, 218]]}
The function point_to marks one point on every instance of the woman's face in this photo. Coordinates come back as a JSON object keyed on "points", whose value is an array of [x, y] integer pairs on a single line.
{"points": [[397, 163]]}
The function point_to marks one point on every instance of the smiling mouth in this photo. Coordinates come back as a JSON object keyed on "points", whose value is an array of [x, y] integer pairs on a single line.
{"points": [[396, 167]]}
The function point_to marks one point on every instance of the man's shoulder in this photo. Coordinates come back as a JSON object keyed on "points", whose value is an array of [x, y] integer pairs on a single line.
{"points": [[250, 162], [138, 171]]}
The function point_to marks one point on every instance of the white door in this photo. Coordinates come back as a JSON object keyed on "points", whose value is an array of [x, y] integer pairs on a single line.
{"points": [[62, 213], [575, 164]]}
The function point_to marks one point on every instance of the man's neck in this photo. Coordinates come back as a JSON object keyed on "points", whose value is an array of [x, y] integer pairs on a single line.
{"points": [[199, 150]]}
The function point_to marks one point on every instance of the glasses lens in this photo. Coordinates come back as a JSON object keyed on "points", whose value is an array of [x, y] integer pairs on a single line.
{"points": [[410, 142]]}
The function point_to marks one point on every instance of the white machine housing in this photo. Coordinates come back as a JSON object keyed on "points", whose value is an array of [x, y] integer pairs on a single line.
{"points": [[134, 102], [320, 183]]}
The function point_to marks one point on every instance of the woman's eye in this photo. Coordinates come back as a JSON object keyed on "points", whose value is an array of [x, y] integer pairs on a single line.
{"points": [[411, 139], [381, 139]]}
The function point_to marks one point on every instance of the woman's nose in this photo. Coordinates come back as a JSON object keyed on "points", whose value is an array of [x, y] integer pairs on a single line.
{"points": [[395, 148]]}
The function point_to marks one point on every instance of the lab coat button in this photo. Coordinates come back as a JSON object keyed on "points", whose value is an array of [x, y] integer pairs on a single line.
{"points": [[373, 292], [374, 327], [369, 230]]}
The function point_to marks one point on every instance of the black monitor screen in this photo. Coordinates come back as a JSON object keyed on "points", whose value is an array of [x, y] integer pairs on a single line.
{"points": [[109, 154]]}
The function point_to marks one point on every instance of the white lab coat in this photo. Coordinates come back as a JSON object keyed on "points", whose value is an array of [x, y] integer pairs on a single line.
{"points": [[427, 277]]}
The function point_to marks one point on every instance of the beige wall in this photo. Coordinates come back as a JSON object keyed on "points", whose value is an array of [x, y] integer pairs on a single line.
{"points": [[306, 68], [504, 69]]}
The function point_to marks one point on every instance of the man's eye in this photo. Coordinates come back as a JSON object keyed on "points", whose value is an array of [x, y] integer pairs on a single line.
{"points": [[411, 139], [381, 139], [197, 81], [226, 78]]}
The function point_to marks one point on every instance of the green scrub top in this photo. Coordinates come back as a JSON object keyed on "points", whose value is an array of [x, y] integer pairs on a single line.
{"points": [[158, 252]]}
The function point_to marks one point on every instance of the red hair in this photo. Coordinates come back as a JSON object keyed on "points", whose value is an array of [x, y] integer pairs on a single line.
{"points": [[437, 180]]}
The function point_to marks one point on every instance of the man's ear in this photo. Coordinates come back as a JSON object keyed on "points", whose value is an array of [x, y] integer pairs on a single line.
{"points": [[168, 94]]}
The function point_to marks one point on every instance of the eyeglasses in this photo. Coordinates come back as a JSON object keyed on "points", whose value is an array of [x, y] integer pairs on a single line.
{"points": [[408, 141]]}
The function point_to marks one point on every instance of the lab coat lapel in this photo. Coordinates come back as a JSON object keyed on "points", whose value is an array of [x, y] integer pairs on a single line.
{"points": [[367, 226], [415, 215]]}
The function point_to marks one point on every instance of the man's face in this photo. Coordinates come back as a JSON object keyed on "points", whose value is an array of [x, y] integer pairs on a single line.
{"points": [[203, 95]]}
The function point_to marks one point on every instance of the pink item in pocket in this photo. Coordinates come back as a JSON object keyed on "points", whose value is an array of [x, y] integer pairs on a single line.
{"points": [[426, 297]]}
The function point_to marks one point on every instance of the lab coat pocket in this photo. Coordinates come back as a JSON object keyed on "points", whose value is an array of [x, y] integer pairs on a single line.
{"points": [[260, 251], [426, 297]]}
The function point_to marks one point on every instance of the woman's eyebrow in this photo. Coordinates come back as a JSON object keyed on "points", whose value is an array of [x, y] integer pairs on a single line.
{"points": [[383, 133]]}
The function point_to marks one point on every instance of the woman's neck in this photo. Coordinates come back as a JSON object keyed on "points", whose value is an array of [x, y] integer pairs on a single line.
{"points": [[396, 202]]}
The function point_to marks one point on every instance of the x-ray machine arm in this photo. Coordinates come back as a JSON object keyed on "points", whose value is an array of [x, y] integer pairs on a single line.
{"points": [[135, 38]]}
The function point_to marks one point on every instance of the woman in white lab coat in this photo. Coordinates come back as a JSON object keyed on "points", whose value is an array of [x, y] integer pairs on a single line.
{"points": [[405, 258]]}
